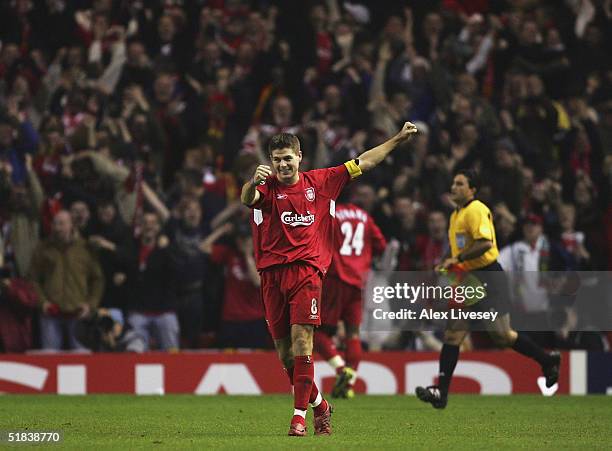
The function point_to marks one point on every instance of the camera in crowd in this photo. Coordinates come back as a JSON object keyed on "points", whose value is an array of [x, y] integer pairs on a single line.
{"points": [[104, 331]]}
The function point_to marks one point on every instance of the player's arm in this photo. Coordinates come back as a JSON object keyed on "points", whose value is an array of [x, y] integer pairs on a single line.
{"points": [[479, 247], [443, 260], [371, 158], [249, 195]]}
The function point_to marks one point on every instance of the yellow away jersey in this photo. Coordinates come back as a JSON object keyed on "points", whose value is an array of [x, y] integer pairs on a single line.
{"points": [[472, 222]]}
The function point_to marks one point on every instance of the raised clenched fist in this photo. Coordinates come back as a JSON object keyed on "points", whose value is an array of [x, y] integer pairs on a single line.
{"points": [[407, 131], [261, 173]]}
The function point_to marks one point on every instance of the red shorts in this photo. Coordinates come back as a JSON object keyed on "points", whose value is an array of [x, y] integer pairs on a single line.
{"points": [[341, 301], [291, 295]]}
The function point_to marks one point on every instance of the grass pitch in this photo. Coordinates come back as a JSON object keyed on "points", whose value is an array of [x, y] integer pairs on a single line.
{"points": [[366, 422]]}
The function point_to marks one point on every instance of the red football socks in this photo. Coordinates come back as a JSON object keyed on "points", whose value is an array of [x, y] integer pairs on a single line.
{"points": [[289, 372], [298, 419], [353, 352], [303, 375], [313, 393]]}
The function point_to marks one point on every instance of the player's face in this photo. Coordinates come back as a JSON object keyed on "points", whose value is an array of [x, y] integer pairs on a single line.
{"points": [[460, 190], [286, 164]]}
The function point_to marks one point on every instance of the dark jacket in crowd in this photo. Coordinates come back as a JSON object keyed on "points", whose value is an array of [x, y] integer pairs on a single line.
{"points": [[115, 262], [153, 282]]}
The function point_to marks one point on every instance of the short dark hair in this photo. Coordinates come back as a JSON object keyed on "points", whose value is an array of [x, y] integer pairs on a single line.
{"points": [[472, 177], [283, 141]]}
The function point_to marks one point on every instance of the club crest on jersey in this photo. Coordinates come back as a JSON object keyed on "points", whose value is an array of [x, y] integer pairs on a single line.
{"points": [[310, 194]]}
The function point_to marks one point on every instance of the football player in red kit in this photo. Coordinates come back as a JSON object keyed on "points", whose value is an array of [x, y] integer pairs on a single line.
{"points": [[357, 240], [293, 233]]}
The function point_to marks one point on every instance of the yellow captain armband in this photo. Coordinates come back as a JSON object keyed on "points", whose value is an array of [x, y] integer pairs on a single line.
{"points": [[353, 169]]}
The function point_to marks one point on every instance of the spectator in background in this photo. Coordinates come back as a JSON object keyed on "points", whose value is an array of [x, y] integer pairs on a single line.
{"points": [[364, 196], [82, 182], [92, 175], [113, 242], [21, 231], [152, 281], [47, 162], [17, 138], [527, 262], [18, 303], [190, 183], [529, 256], [507, 181], [102, 332], [167, 47], [387, 111], [68, 281], [404, 213], [432, 246], [589, 219], [137, 69], [80, 214], [186, 233], [505, 225], [538, 118], [281, 121], [539, 295], [169, 109], [242, 315]]}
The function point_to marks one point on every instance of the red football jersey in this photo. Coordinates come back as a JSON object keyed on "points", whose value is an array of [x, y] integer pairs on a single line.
{"points": [[295, 223], [357, 240]]}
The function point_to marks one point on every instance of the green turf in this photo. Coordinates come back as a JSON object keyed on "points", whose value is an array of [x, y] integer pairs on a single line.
{"points": [[366, 422]]}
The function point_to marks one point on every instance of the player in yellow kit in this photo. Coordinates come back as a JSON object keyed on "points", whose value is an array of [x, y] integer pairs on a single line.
{"points": [[473, 247]]}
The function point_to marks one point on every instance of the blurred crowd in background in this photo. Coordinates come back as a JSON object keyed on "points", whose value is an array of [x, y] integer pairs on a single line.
{"points": [[127, 128]]}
